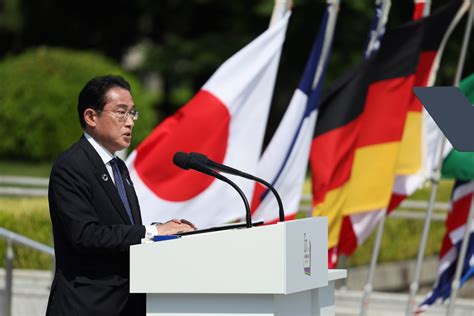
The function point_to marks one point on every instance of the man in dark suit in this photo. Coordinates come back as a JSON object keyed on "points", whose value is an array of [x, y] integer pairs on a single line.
{"points": [[94, 209]]}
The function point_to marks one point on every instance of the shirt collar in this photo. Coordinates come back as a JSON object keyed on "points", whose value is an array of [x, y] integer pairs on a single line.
{"points": [[104, 154]]}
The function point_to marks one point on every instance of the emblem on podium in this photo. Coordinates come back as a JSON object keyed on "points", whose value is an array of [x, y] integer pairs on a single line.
{"points": [[307, 255]]}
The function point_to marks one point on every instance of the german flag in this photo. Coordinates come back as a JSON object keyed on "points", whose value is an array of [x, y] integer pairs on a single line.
{"points": [[357, 142], [356, 228], [359, 129], [437, 31]]}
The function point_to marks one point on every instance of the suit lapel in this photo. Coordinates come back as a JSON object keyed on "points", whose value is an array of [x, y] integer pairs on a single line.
{"points": [[104, 178]]}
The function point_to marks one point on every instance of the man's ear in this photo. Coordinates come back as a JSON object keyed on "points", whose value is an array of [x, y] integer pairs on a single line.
{"points": [[90, 117]]}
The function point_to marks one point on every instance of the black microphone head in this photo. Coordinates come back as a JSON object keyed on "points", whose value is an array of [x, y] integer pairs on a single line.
{"points": [[188, 161], [199, 158], [181, 160]]}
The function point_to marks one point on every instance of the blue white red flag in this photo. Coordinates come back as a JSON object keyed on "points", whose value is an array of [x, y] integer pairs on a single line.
{"points": [[285, 160], [461, 200], [226, 121]]}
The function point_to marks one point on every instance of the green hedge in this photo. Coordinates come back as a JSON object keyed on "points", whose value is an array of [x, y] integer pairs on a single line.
{"points": [[38, 101]]}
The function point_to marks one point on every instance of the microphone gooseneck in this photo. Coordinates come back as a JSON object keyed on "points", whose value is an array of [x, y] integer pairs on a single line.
{"points": [[186, 162], [203, 159]]}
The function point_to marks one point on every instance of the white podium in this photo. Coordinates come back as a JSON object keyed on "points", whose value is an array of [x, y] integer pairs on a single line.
{"points": [[277, 269]]}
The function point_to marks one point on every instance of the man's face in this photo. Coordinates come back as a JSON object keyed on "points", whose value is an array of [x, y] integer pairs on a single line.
{"points": [[110, 131]]}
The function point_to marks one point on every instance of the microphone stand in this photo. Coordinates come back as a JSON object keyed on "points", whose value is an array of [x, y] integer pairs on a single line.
{"points": [[204, 161], [205, 169]]}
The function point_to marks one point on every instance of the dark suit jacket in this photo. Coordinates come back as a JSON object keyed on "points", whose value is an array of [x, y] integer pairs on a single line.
{"points": [[92, 235]]}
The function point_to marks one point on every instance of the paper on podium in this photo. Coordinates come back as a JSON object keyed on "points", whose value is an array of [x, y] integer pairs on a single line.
{"points": [[221, 227]]}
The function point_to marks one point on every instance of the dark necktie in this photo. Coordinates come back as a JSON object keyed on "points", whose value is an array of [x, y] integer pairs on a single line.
{"points": [[121, 188]]}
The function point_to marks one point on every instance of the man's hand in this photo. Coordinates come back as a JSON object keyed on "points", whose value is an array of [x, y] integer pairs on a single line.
{"points": [[175, 226]]}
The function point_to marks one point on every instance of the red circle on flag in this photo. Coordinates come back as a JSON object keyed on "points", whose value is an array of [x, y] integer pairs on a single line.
{"points": [[200, 126]]}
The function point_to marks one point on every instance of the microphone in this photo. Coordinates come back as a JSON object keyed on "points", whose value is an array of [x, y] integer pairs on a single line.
{"points": [[186, 162], [183, 161], [202, 159]]}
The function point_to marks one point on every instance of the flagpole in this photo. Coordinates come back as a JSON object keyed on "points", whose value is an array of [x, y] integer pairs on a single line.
{"points": [[465, 241], [426, 228], [331, 10], [385, 10], [331, 25], [373, 264], [462, 256], [437, 169], [279, 9], [386, 4], [465, 43], [427, 8]]}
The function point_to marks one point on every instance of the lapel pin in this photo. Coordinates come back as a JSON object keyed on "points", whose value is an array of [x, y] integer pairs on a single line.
{"points": [[105, 177]]}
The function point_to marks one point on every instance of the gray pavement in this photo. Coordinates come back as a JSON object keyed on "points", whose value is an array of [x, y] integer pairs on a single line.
{"points": [[31, 290], [348, 303]]}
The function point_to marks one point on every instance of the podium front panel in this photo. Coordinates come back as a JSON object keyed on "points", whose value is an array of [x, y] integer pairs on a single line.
{"points": [[278, 259]]}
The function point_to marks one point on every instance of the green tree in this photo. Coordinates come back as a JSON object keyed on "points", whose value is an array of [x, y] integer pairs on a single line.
{"points": [[188, 40], [38, 101]]}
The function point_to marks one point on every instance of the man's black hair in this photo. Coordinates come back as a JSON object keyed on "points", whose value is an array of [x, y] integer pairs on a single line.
{"points": [[93, 94]]}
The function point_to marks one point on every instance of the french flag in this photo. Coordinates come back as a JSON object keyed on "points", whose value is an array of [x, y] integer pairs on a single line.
{"points": [[226, 121], [285, 160], [462, 196]]}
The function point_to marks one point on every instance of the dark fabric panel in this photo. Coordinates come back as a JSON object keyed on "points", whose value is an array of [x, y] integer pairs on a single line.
{"points": [[437, 24], [344, 101], [398, 57], [398, 54]]}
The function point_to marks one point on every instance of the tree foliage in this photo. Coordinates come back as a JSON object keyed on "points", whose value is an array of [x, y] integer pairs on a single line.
{"points": [[186, 41], [38, 101]]}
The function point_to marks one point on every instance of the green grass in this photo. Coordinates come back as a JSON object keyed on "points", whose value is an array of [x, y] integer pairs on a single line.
{"points": [[28, 217], [19, 168], [401, 237], [400, 241], [443, 194]]}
